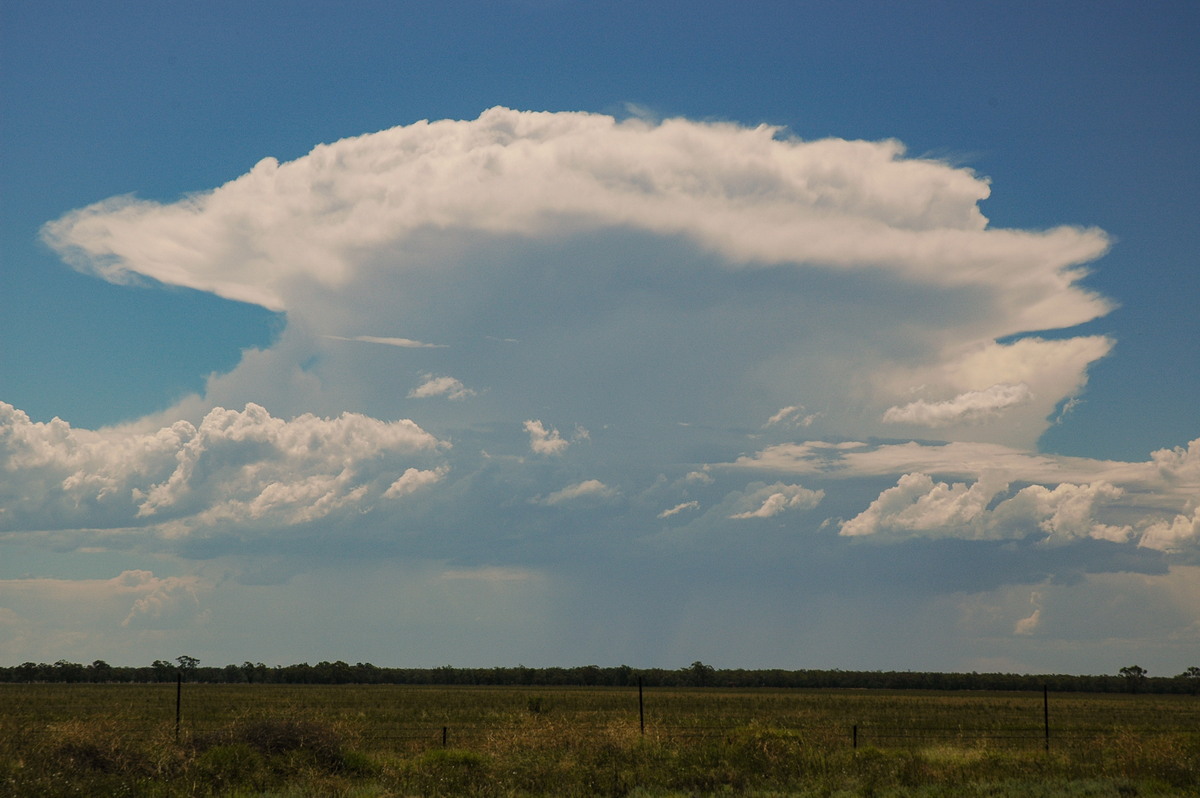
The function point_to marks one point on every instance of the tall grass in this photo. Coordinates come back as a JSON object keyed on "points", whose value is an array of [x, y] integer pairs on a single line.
{"points": [[361, 741]]}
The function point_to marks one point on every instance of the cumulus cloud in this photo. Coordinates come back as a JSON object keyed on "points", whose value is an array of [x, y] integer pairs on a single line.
{"points": [[588, 492], [440, 386], [1180, 532], [778, 498], [919, 507], [234, 467], [969, 407]]}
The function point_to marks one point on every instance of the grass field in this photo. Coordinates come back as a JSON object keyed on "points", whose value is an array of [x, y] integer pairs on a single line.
{"points": [[348, 740]]}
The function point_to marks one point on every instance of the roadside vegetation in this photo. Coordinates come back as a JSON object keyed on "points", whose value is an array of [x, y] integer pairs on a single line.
{"points": [[363, 741]]}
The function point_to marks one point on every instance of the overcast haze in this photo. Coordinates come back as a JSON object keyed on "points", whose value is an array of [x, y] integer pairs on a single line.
{"points": [[766, 334]]}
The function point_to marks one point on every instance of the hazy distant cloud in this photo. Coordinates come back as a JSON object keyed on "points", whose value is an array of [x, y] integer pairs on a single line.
{"points": [[135, 599], [440, 386], [970, 407], [588, 492], [778, 498]]}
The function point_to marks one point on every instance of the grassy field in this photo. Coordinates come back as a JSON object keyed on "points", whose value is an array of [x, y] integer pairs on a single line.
{"points": [[243, 740]]}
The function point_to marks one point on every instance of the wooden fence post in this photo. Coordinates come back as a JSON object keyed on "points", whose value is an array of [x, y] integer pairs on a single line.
{"points": [[178, 702], [641, 708], [1046, 714]]}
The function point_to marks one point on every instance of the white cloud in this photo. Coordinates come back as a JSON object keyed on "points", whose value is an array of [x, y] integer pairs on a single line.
{"points": [[413, 480], [440, 386], [471, 231], [549, 441], [1170, 473], [235, 467], [969, 407], [1181, 532], [792, 416], [778, 498], [919, 507], [679, 508], [588, 492], [749, 193], [1029, 624], [403, 343]]}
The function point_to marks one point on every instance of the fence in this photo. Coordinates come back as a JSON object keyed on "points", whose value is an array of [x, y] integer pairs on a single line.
{"points": [[414, 719]]}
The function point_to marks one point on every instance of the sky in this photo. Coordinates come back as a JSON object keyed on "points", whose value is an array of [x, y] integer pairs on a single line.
{"points": [[854, 335]]}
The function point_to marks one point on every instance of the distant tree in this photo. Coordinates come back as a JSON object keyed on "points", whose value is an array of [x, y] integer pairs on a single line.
{"points": [[1192, 677], [699, 674], [1134, 675]]}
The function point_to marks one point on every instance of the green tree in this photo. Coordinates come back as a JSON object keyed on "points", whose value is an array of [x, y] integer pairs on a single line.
{"points": [[1191, 677], [1134, 676], [699, 674]]}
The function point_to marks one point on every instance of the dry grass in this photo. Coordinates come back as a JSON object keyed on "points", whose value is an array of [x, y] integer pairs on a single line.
{"points": [[370, 742]]}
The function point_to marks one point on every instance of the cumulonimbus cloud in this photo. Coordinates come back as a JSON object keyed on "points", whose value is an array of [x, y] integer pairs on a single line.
{"points": [[390, 214], [752, 194]]}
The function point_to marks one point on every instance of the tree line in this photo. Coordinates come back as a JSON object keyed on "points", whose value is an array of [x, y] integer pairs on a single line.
{"points": [[1128, 679]]}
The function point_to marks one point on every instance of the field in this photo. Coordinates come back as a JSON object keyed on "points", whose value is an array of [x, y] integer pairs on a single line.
{"points": [[361, 741]]}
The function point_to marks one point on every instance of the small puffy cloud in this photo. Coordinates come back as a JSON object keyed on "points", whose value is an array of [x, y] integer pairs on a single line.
{"points": [[543, 440], [970, 407], [778, 498], [792, 416], [413, 480], [588, 492], [679, 508], [1029, 624], [440, 386]]}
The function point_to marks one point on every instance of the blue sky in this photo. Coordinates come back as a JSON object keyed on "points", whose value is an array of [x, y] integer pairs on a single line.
{"points": [[856, 335]]}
